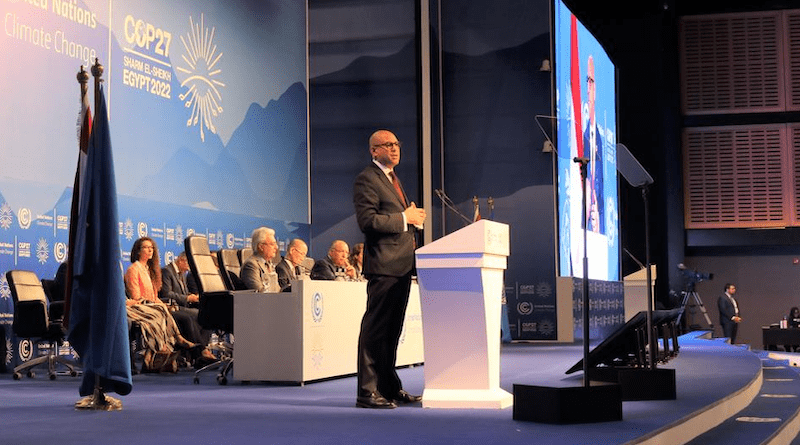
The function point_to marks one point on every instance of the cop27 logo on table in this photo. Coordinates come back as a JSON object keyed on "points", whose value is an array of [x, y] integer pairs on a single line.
{"points": [[202, 86], [316, 307]]}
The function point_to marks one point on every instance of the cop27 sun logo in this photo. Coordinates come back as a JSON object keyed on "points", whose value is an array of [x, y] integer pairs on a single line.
{"points": [[202, 86]]}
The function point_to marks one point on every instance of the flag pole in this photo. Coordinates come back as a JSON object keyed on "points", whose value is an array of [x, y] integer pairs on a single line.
{"points": [[83, 80], [98, 401], [97, 72]]}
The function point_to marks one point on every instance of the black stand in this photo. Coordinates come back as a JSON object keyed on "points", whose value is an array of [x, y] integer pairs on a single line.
{"points": [[646, 383], [98, 401], [599, 403]]}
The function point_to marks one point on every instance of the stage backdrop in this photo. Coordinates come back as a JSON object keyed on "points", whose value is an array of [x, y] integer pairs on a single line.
{"points": [[208, 116]]}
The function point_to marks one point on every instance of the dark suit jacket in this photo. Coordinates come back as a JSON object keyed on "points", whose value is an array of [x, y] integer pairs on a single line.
{"points": [[324, 269], [388, 245], [726, 309], [171, 286], [285, 275]]}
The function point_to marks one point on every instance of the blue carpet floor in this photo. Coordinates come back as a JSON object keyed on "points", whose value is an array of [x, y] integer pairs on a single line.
{"points": [[170, 409]]}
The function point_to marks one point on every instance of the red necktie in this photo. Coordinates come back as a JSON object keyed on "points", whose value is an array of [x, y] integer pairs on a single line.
{"points": [[396, 184]]}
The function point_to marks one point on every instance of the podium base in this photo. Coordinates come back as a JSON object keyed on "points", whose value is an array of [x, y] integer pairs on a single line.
{"points": [[467, 398], [572, 404], [639, 383]]}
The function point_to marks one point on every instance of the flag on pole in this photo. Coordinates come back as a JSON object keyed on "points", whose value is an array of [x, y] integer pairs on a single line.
{"points": [[98, 319], [84, 132], [575, 83]]}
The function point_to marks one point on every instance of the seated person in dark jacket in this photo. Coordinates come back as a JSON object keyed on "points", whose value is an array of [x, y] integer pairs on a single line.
{"points": [[174, 287], [335, 266], [291, 267], [174, 290], [794, 317]]}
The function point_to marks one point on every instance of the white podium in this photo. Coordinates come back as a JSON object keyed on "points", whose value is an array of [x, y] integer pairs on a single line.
{"points": [[461, 286]]}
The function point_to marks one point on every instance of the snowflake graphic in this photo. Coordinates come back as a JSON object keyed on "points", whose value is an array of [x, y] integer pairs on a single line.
{"points": [[128, 230], [42, 251], [543, 289], [9, 351], [5, 291], [6, 216]]}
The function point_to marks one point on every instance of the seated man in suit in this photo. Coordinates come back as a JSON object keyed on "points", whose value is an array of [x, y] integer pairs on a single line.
{"points": [[335, 266], [290, 268], [174, 291], [173, 286], [258, 272]]}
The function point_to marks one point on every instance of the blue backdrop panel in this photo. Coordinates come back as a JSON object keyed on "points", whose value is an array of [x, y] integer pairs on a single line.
{"points": [[208, 118]]}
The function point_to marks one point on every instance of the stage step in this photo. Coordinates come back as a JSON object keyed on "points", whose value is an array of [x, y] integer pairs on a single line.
{"points": [[772, 418]]}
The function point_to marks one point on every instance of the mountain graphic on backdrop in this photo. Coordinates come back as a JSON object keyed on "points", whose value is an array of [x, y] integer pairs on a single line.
{"points": [[262, 171]]}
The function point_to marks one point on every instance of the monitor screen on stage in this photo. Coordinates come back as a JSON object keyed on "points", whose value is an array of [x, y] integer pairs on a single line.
{"points": [[586, 128]]}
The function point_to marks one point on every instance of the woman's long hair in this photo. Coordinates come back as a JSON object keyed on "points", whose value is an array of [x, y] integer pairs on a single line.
{"points": [[153, 264], [358, 248]]}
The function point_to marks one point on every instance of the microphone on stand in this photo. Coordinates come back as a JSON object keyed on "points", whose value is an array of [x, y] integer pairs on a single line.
{"points": [[447, 202]]}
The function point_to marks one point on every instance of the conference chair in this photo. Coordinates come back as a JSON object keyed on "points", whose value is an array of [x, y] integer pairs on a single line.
{"points": [[36, 318], [216, 304], [244, 253], [307, 265], [230, 268]]}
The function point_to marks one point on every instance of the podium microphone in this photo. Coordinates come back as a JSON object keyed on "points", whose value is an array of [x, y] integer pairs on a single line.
{"points": [[447, 202]]}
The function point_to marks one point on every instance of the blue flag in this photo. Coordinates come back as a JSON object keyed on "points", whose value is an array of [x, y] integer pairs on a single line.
{"points": [[98, 327]]}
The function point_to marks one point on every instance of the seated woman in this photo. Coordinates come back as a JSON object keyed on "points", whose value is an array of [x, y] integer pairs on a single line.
{"points": [[357, 261], [160, 333]]}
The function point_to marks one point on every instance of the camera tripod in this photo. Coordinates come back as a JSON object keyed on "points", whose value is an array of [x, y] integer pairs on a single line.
{"points": [[693, 295]]}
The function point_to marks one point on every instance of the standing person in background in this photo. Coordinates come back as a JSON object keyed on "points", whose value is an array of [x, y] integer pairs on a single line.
{"points": [[389, 224], [729, 317]]}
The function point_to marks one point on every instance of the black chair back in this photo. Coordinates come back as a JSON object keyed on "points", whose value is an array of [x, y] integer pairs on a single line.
{"points": [[231, 268], [36, 317], [216, 300], [30, 304], [201, 263], [244, 254]]}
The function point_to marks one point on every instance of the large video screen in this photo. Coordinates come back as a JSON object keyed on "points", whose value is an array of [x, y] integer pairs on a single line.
{"points": [[586, 128]]}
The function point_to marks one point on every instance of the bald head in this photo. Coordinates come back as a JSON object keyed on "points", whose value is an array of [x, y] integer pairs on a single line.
{"points": [[385, 148]]}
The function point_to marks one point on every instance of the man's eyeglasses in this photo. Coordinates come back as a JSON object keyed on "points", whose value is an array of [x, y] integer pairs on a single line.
{"points": [[390, 145]]}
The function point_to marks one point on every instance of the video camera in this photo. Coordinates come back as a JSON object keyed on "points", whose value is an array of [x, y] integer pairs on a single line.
{"points": [[692, 277]]}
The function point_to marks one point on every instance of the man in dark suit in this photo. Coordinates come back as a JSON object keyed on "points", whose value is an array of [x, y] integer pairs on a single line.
{"points": [[290, 268], [729, 317], [175, 290], [335, 266], [389, 223], [173, 283]]}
